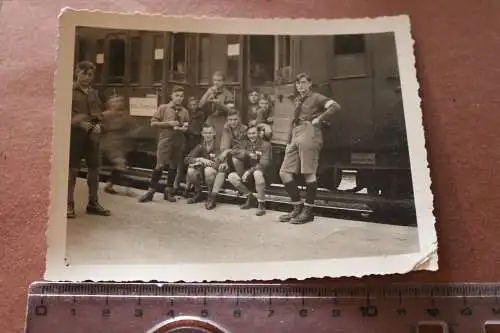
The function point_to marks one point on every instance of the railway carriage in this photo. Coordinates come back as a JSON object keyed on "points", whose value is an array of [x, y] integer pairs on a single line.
{"points": [[366, 140]]}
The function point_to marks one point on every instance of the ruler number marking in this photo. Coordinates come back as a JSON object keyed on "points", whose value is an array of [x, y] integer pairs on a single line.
{"points": [[41, 310], [336, 313], [106, 313], [204, 313], [270, 313], [466, 312], [237, 313], [369, 311], [433, 312], [138, 313], [401, 312], [303, 313], [171, 313]]}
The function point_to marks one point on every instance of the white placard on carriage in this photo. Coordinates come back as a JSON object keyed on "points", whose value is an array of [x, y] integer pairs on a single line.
{"points": [[143, 106]]}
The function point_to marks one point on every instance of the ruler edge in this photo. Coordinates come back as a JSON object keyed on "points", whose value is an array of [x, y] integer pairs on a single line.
{"points": [[427, 289]]}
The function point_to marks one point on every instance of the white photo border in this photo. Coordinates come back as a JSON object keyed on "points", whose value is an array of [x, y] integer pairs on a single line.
{"points": [[58, 270]]}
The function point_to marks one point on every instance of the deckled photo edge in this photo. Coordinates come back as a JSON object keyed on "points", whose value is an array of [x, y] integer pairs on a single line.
{"points": [[423, 196], [56, 233], [56, 229]]}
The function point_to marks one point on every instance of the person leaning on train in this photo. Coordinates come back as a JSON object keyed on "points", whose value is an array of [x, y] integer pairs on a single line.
{"points": [[254, 154], [234, 132]]}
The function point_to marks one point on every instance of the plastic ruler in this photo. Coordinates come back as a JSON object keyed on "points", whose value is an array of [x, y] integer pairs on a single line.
{"points": [[261, 308]]}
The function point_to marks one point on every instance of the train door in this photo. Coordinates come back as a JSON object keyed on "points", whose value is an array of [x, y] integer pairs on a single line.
{"points": [[352, 86], [269, 67], [223, 53]]}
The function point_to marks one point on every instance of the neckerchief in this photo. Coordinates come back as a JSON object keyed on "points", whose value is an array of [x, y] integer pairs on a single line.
{"points": [[299, 101]]}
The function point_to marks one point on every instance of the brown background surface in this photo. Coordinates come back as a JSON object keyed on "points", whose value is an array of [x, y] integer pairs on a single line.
{"points": [[457, 49]]}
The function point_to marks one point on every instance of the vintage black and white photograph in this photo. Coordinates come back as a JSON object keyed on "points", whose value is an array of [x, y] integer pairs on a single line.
{"points": [[232, 149]]}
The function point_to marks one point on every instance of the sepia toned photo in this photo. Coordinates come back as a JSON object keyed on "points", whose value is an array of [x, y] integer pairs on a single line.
{"points": [[233, 149]]}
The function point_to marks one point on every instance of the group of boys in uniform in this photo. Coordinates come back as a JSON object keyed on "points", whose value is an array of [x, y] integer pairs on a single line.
{"points": [[205, 141]]}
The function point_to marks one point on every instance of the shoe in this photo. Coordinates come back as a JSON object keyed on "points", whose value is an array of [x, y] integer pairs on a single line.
{"points": [[261, 209], [297, 208], [196, 198], [148, 196], [305, 216], [210, 203], [109, 189], [95, 208], [168, 195], [71, 211], [250, 202]]}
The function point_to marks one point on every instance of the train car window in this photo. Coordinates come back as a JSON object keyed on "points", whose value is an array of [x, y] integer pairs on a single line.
{"points": [[158, 57], [349, 44], [178, 70], [117, 59], [204, 59], [233, 59], [262, 59], [82, 49], [135, 59], [284, 72], [99, 61]]}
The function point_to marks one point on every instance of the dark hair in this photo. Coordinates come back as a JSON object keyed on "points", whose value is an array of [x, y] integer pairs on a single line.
{"points": [[207, 125], [252, 127], [85, 66], [233, 113], [254, 90], [177, 89], [192, 99], [303, 76]]}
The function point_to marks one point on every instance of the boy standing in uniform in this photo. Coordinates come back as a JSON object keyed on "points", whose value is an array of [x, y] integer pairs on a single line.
{"points": [[255, 153], [86, 117], [215, 101], [312, 110], [172, 121]]}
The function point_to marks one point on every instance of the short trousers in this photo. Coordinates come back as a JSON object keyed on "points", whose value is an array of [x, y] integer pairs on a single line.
{"points": [[302, 153], [82, 147], [169, 154]]}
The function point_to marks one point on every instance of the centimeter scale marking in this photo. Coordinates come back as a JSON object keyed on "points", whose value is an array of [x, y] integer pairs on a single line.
{"points": [[231, 308]]}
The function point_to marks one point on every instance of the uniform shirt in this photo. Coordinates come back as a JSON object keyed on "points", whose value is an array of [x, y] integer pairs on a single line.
{"points": [[232, 137], [259, 115], [203, 151], [170, 112], [260, 147], [117, 121], [197, 117], [116, 136], [313, 105], [216, 112], [86, 107], [252, 112]]}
